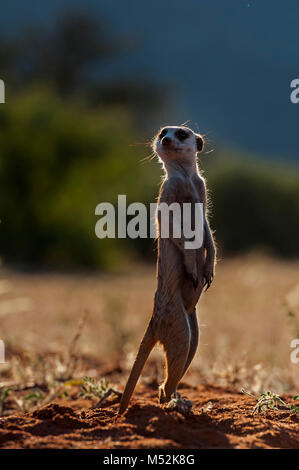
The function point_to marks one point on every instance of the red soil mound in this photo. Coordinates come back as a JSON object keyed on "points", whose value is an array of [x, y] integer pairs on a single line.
{"points": [[228, 424]]}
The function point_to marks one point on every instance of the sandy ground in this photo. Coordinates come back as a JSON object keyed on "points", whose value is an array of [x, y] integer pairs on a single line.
{"points": [[228, 424], [247, 320]]}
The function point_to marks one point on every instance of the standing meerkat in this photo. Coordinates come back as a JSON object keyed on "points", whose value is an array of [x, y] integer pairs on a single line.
{"points": [[182, 273]]}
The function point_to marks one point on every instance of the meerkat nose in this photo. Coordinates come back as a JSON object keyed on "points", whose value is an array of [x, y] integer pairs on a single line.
{"points": [[166, 141]]}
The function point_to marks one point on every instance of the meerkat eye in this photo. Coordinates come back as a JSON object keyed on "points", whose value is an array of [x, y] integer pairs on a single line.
{"points": [[163, 133], [181, 134]]}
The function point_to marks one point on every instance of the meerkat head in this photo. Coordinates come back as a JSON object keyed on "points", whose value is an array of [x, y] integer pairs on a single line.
{"points": [[177, 143]]}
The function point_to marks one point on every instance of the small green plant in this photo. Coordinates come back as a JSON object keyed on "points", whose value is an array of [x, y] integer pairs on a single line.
{"points": [[35, 397], [31, 401], [91, 388], [272, 401], [101, 390]]}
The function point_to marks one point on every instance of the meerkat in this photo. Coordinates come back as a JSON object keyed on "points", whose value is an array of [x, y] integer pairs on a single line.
{"points": [[182, 273]]}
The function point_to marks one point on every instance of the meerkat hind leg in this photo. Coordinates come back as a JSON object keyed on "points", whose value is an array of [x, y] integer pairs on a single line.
{"points": [[194, 339], [176, 346]]}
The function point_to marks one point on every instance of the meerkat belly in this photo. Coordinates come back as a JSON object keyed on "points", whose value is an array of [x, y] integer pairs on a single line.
{"points": [[171, 275], [171, 267]]}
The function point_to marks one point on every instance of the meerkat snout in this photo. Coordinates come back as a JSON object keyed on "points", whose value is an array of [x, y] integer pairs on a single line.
{"points": [[166, 141]]}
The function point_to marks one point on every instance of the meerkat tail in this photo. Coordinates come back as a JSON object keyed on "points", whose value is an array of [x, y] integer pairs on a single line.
{"points": [[146, 345]]}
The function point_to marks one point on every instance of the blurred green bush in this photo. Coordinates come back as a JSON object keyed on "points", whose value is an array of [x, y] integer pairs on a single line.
{"points": [[59, 159], [57, 162], [254, 205]]}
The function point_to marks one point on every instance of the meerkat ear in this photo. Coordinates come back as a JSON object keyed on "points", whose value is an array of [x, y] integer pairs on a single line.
{"points": [[199, 143]]}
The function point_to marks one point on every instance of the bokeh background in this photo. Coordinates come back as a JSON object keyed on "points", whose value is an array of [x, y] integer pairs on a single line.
{"points": [[88, 84]]}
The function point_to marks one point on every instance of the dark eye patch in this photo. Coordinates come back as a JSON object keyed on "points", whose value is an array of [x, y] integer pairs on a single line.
{"points": [[163, 133], [181, 134]]}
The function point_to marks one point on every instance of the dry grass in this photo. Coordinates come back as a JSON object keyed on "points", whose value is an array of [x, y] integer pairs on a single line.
{"points": [[246, 324]]}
